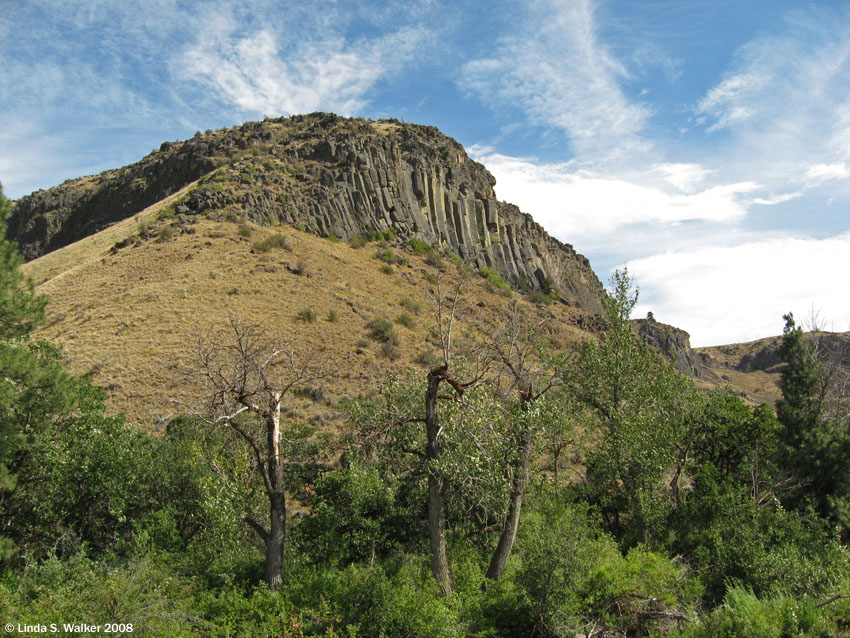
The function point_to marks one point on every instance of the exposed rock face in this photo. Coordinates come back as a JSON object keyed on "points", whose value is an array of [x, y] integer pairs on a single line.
{"points": [[674, 343], [331, 175]]}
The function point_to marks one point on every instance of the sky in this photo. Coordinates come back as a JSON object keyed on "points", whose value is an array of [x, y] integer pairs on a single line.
{"points": [[704, 145]]}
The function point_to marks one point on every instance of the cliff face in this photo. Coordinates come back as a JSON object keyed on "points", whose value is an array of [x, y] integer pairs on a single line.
{"points": [[675, 344], [329, 175]]}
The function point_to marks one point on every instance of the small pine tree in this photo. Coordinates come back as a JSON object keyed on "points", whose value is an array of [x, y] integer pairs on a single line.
{"points": [[816, 446]]}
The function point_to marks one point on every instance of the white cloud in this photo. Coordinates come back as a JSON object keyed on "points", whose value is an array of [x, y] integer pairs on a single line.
{"points": [[332, 74], [573, 203], [685, 177], [820, 173], [785, 102], [556, 69], [731, 294]]}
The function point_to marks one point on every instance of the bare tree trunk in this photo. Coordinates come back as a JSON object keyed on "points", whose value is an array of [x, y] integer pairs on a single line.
{"points": [[499, 561], [436, 500], [277, 500]]}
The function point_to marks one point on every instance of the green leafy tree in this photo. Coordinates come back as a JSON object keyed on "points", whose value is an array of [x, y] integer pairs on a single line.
{"points": [[638, 402], [33, 386]]}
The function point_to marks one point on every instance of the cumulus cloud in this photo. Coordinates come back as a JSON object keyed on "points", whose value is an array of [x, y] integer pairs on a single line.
{"points": [[556, 69], [728, 294], [253, 73]]}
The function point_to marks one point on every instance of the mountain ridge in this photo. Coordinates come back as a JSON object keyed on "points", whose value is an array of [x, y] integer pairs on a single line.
{"points": [[333, 176]]}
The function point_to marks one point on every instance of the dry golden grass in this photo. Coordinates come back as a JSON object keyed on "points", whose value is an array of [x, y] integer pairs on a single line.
{"points": [[757, 386], [130, 317], [69, 259]]}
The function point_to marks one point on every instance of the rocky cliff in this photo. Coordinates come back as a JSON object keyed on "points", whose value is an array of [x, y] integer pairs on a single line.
{"points": [[330, 175], [675, 344]]}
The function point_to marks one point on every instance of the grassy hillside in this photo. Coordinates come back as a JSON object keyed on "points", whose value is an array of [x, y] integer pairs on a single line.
{"points": [[130, 316]]}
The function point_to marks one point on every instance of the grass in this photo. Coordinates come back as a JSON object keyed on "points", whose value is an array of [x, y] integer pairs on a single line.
{"points": [[494, 279], [167, 299]]}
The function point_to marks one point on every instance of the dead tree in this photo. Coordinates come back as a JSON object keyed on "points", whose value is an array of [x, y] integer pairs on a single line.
{"points": [[245, 377]]}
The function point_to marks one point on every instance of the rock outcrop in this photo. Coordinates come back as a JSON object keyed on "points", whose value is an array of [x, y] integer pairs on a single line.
{"points": [[333, 176], [675, 344]]}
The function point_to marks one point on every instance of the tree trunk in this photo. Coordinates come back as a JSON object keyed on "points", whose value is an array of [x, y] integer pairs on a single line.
{"points": [[277, 500], [499, 561], [436, 484]]}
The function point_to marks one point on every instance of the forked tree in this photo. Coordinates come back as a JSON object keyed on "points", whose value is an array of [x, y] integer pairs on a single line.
{"points": [[245, 377], [446, 305], [514, 342]]}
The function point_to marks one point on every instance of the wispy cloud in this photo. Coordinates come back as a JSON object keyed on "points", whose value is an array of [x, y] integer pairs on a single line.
{"points": [[726, 294], [555, 68], [785, 102], [253, 73]]}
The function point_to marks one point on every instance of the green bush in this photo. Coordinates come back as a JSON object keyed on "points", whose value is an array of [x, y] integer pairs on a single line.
{"points": [[358, 241], [389, 257], [494, 279], [381, 329], [419, 247], [405, 320], [744, 615]]}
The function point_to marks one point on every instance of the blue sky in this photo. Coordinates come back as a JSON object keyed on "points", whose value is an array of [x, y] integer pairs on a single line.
{"points": [[704, 144]]}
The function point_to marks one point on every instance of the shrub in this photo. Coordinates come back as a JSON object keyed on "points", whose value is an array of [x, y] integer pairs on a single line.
{"points": [[358, 241], [381, 329], [427, 358], [389, 350], [165, 233], [494, 278], [434, 259], [307, 315], [332, 316], [540, 297], [420, 247], [744, 615], [411, 306], [381, 235], [387, 269], [245, 230], [273, 241], [405, 320], [333, 238], [300, 267], [388, 256]]}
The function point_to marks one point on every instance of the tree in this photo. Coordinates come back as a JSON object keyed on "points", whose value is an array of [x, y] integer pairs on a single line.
{"points": [[638, 401], [33, 386], [434, 431], [246, 377], [816, 426], [516, 345]]}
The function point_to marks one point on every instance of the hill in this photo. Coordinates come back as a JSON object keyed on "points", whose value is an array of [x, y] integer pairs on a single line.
{"points": [[130, 315], [332, 176], [138, 261]]}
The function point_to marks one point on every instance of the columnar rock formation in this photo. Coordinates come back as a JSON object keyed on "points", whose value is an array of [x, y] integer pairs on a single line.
{"points": [[330, 175]]}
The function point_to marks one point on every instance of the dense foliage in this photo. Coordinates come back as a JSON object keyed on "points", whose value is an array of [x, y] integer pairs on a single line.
{"points": [[693, 514]]}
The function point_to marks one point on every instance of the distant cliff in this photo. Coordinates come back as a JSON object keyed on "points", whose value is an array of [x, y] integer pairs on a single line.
{"points": [[332, 176]]}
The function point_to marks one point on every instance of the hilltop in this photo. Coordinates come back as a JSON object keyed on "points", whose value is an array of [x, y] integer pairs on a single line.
{"points": [[332, 176]]}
